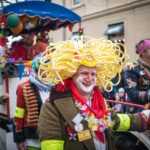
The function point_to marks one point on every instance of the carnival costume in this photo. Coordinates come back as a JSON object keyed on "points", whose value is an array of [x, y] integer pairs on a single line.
{"points": [[41, 44], [28, 105], [137, 79], [67, 121]]}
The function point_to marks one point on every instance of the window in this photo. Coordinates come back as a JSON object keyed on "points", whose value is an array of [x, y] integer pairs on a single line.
{"points": [[76, 2], [115, 29], [115, 32]]}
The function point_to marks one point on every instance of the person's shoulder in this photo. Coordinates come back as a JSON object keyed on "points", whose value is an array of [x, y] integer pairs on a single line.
{"points": [[130, 66], [24, 84], [55, 94]]}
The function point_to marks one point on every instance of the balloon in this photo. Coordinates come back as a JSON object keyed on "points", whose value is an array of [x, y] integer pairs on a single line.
{"points": [[1, 36], [12, 21], [18, 29]]}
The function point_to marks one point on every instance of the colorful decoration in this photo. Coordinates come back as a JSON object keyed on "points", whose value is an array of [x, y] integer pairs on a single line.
{"points": [[2, 21], [94, 123], [39, 16], [1, 34], [72, 136], [28, 63], [18, 29], [29, 22], [3, 42], [21, 70], [11, 60], [12, 21]]}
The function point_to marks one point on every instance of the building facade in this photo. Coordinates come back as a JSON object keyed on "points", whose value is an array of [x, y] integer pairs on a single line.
{"points": [[125, 21]]}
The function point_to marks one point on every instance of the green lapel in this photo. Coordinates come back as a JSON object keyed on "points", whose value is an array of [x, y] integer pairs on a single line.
{"points": [[68, 110]]}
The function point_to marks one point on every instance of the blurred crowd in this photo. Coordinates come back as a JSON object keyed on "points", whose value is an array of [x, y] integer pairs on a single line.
{"points": [[134, 86], [28, 46]]}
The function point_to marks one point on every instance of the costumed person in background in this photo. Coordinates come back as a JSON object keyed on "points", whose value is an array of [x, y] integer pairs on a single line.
{"points": [[137, 77], [28, 40], [30, 97], [76, 117], [41, 44], [18, 51]]}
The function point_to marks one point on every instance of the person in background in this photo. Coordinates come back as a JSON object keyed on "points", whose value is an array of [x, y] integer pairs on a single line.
{"points": [[120, 97], [18, 51], [31, 95], [76, 116], [28, 40], [137, 77], [41, 44]]}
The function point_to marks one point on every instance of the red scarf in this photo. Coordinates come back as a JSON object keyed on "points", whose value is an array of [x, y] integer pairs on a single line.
{"points": [[98, 104]]}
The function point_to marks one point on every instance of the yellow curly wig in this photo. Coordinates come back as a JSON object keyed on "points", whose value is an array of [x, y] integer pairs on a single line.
{"points": [[63, 62]]}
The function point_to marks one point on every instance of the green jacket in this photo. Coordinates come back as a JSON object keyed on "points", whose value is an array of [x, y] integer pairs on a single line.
{"points": [[54, 117]]}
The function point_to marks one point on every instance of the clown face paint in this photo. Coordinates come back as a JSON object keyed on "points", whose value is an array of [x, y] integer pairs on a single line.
{"points": [[85, 80]]}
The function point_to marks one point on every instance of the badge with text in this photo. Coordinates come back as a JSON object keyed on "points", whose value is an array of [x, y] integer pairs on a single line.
{"points": [[84, 135], [77, 119]]}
